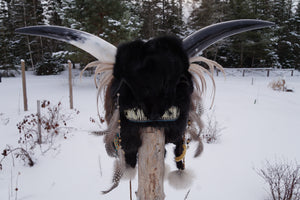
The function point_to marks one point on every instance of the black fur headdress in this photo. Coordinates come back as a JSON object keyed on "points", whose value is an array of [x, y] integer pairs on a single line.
{"points": [[158, 83]]}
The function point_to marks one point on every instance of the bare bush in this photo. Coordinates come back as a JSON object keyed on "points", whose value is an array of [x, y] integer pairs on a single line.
{"points": [[279, 85], [19, 152], [211, 132], [283, 179], [53, 122]]}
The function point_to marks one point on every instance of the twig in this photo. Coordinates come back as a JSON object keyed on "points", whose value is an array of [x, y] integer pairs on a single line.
{"points": [[99, 161], [17, 189], [187, 194], [23, 152]]}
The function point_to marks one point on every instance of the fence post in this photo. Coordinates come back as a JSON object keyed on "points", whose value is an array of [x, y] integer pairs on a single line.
{"points": [[292, 73], [70, 84], [243, 72], [24, 85], [268, 73], [151, 165], [39, 122]]}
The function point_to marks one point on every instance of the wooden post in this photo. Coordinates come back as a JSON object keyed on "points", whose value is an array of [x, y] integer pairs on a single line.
{"points": [[243, 72], [268, 73], [292, 73], [130, 190], [39, 122], [151, 165], [70, 84], [24, 85]]}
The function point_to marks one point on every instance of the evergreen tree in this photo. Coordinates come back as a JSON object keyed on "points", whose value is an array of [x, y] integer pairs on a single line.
{"points": [[19, 14], [296, 34], [161, 17], [208, 12], [205, 13], [250, 49], [7, 57], [114, 21], [170, 22], [286, 38], [48, 63]]}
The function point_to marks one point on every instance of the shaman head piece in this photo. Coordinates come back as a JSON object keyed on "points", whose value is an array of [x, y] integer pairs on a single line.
{"points": [[157, 83]]}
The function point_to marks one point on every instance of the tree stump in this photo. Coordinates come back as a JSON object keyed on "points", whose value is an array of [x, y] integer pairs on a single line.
{"points": [[151, 165]]}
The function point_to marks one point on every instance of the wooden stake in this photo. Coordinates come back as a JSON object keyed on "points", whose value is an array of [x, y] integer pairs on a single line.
{"points": [[130, 190], [39, 122], [70, 84], [24, 85], [151, 165]]}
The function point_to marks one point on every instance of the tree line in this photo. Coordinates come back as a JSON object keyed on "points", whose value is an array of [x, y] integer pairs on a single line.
{"points": [[119, 21]]}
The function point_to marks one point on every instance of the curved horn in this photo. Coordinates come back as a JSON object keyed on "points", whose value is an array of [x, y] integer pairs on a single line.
{"points": [[97, 47], [207, 36]]}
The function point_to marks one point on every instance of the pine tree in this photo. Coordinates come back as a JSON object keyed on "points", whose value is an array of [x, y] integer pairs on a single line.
{"points": [[115, 21], [161, 17], [250, 49], [285, 37], [7, 57], [48, 63], [15, 47], [296, 34], [205, 13], [171, 22]]}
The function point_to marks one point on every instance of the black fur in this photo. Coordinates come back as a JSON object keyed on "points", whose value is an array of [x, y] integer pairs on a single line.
{"points": [[152, 76]]}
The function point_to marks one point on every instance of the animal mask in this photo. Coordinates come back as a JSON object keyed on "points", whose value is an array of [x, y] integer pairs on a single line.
{"points": [[158, 83]]}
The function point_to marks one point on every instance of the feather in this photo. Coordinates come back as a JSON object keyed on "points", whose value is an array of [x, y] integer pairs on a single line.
{"points": [[119, 168], [199, 71]]}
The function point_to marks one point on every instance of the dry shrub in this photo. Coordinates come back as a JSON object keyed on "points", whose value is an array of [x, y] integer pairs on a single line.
{"points": [[212, 129], [53, 125], [278, 85], [282, 178]]}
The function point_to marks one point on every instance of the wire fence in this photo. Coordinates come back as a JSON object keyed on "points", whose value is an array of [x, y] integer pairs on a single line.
{"points": [[262, 72]]}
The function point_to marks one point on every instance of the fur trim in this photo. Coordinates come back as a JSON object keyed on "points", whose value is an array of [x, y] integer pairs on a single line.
{"points": [[181, 179]]}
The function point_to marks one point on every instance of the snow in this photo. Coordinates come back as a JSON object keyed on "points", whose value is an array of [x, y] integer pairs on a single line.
{"points": [[258, 124]]}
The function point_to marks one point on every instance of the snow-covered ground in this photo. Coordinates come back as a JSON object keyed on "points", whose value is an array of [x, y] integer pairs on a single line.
{"points": [[257, 124]]}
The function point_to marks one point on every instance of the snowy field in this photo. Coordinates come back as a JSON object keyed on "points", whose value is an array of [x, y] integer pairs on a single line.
{"points": [[257, 124]]}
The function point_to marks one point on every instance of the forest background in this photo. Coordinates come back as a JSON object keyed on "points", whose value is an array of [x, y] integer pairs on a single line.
{"points": [[120, 21]]}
